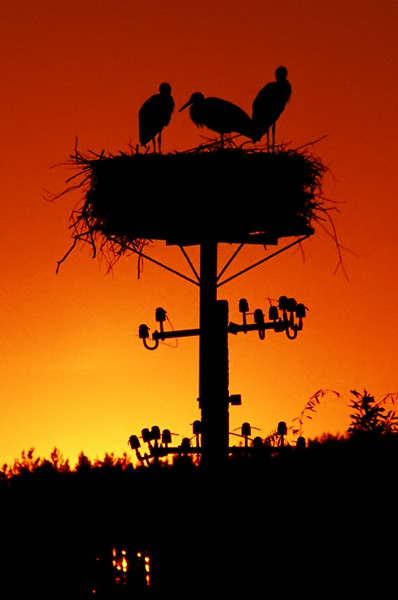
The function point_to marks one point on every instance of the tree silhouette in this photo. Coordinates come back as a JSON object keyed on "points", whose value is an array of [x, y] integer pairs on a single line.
{"points": [[369, 416]]}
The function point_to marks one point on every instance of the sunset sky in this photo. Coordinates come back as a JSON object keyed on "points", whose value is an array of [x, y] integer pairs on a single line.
{"points": [[73, 372]]}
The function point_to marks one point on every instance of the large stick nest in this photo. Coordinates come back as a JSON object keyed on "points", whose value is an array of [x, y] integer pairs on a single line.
{"points": [[224, 194]]}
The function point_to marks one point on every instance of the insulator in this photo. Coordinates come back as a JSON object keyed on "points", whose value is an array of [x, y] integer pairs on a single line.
{"points": [[257, 442], [259, 316], [291, 305], [134, 442], [166, 436], [279, 326], [300, 311], [143, 332], [273, 313], [197, 427], [155, 433], [185, 444], [283, 302], [300, 444], [160, 315], [246, 429], [282, 428], [243, 305], [146, 434]]}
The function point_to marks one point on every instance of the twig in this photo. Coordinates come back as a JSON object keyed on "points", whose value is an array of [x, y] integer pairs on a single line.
{"points": [[59, 263]]}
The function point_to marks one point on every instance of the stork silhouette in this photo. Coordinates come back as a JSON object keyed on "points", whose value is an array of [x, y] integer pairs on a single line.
{"points": [[155, 114], [269, 105], [219, 115]]}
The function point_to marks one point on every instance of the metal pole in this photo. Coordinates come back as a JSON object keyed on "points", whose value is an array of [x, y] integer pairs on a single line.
{"points": [[213, 360]]}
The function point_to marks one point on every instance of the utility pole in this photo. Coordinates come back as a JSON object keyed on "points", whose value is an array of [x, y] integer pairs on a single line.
{"points": [[213, 331], [213, 360]]}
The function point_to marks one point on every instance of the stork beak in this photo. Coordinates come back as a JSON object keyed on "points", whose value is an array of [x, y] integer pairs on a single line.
{"points": [[186, 105]]}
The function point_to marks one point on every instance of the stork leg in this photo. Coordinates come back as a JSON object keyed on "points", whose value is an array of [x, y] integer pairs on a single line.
{"points": [[160, 142], [273, 137], [222, 140], [267, 140], [154, 144]]}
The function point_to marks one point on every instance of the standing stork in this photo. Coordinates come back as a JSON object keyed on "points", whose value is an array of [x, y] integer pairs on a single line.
{"points": [[219, 115], [155, 114], [269, 105]]}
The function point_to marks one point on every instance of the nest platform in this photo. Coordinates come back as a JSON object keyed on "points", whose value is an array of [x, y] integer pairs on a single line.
{"points": [[226, 195]]}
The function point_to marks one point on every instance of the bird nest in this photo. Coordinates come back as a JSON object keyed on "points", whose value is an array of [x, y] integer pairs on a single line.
{"points": [[221, 194]]}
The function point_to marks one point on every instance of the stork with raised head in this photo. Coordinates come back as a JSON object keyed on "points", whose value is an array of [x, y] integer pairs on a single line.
{"points": [[269, 105], [219, 115], [155, 114]]}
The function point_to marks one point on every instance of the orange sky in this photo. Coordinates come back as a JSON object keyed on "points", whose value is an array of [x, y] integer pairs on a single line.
{"points": [[73, 372]]}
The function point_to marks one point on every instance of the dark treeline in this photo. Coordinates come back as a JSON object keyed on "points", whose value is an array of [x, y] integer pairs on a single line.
{"points": [[319, 522]]}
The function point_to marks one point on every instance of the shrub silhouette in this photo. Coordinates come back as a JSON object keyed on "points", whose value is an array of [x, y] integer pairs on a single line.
{"points": [[369, 416]]}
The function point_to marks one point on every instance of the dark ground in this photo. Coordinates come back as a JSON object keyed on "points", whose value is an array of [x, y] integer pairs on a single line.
{"points": [[321, 523]]}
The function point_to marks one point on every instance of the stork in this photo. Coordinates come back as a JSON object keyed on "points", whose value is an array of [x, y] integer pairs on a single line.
{"points": [[155, 114], [219, 115], [269, 105]]}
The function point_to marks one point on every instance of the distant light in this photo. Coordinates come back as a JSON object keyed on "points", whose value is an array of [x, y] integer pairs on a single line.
{"points": [[125, 565]]}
